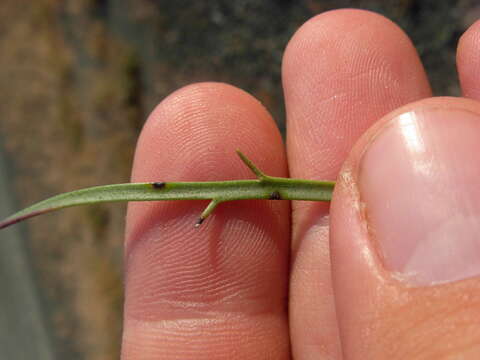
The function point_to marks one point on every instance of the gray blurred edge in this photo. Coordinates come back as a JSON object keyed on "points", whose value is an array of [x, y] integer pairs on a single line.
{"points": [[24, 334]]}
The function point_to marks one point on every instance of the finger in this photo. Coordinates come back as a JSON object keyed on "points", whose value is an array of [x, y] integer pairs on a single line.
{"points": [[468, 62], [404, 232], [342, 71], [218, 291]]}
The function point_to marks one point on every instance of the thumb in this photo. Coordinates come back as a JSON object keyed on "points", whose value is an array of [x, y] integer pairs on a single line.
{"points": [[405, 236]]}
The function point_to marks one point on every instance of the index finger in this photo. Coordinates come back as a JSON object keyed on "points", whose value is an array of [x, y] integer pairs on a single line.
{"points": [[218, 291]]}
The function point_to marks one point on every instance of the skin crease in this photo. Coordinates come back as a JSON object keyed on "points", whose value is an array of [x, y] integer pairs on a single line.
{"points": [[222, 292]]}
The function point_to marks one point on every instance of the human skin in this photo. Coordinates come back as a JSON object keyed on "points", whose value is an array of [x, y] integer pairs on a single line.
{"points": [[256, 280]]}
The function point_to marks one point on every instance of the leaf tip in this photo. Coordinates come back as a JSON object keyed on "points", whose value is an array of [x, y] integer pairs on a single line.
{"points": [[17, 218], [199, 222], [251, 165]]}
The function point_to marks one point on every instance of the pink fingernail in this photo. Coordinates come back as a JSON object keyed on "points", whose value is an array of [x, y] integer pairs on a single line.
{"points": [[420, 182]]}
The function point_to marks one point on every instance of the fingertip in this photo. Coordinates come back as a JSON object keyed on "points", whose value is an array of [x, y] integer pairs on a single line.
{"points": [[335, 37], [468, 63], [326, 26], [192, 135], [343, 70], [198, 112]]}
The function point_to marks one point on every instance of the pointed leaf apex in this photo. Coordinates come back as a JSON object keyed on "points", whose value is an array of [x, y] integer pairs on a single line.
{"points": [[251, 165]]}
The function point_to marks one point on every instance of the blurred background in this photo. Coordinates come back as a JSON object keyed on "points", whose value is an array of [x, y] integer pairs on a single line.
{"points": [[77, 80]]}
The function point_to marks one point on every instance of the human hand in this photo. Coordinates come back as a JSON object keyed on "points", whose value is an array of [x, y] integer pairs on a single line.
{"points": [[255, 283]]}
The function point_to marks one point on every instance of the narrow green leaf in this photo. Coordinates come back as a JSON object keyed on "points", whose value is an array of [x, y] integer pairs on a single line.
{"points": [[264, 187]]}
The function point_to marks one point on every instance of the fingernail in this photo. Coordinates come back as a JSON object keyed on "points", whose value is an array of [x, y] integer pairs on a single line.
{"points": [[419, 180]]}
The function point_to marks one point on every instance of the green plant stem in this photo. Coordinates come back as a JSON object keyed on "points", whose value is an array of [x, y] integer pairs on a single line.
{"points": [[264, 187]]}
